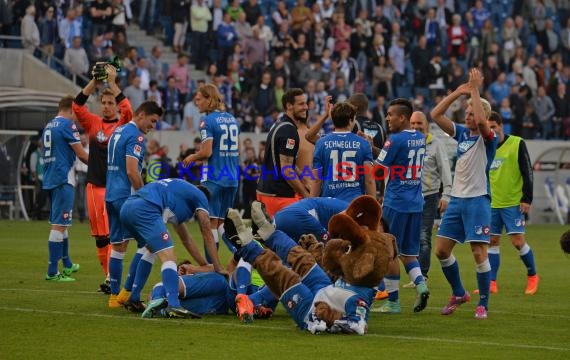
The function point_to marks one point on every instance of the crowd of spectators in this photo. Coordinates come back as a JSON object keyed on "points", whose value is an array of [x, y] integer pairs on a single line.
{"points": [[254, 49]]}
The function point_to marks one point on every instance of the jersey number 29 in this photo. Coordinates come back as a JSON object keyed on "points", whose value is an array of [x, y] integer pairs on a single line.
{"points": [[229, 139]]}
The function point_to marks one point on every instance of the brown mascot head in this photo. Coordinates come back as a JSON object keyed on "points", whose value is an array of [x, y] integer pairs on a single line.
{"points": [[358, 251]]}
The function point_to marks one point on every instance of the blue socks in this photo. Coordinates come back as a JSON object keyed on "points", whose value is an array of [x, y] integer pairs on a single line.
{"points": [[170, 283], [242, 277], [494, 260], [67, 263], [484, 282], [527, 258], [55, 251], [451, 271], [129, 281], [116, 271], [414, 272], [142, 273]]}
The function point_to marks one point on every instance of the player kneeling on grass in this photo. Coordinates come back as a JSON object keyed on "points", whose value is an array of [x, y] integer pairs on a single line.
{"points": [[144, 215], [204, 292]]}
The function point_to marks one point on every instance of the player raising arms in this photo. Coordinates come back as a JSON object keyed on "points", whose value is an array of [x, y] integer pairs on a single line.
{"points": [[124, 166], [468, 215], [61, 143], [99, 130], [219, 152]]}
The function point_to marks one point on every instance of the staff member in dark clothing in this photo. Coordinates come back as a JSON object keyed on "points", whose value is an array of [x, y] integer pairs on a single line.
{"points": [[280, 181]]}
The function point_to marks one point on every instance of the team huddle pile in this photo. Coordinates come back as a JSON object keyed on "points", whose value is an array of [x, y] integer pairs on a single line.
{"points": [[321, 245]]}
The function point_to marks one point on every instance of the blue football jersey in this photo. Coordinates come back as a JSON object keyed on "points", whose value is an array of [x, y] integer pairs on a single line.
{"points": [[126, 141], [177, 198], [222, 167], [58, 156], [403, 154], [322, 208], [337, 157]]}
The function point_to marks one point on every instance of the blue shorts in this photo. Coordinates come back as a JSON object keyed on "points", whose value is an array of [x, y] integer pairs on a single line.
{"points": [[298, 301], [296, 222], [221, 199], [467, 219], [511, 218], [143, 219], [61, 199], [406, 227], [118, 233], [207, 293]]}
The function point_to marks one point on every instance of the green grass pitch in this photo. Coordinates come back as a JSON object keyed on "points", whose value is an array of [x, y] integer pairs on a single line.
{"points": [[71, 320]]}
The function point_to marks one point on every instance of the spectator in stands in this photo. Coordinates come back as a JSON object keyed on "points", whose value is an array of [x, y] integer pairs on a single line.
{"points": [[499, 90], [265, 32], [561, 116], [181, 75], [457, 35], [234, 9], [530, 123], [226, 37], [141, 71], [544, 109], [29, 30], [397, 56], [120, 45], [242, 27], [299, 13], [96, 50], [200, 16], [153, 93], [172, 103], [146, 14], [510, 38], [48, 32], [192, 117], [181, 11], [155, 65], [76, 58], [263, 96], [134, 92], [101, 13], [252, 11], [119, 16]]}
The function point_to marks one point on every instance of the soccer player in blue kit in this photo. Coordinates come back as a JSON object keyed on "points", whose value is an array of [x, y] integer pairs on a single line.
{"points": [[61, 143], [340, 159], [144, 215], [468, 215], [124, 165], [219, 151], [403, 155], [308, 216]]}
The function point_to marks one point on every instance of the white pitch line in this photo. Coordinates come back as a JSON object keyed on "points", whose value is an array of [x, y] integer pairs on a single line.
{"points": [[235, 325], [556, 316]]}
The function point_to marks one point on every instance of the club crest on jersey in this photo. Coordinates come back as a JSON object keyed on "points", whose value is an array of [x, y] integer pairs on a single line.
{"points": [[66, 215], [101, 137], [292, 303], [137, 150], [290, 144], [519, 222]]}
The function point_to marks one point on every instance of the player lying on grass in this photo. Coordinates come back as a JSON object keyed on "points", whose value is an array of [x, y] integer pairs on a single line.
{"points": [[203, 292], [305, 289]]}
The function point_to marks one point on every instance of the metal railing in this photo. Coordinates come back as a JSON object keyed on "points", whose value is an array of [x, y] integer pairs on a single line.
{"points": [[49, 59]]}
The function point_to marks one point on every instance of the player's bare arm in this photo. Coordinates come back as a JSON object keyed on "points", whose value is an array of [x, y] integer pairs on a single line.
{"points": [[290, 175], [204, 153], [81, 154], [204, 224], [438, 113], [189, 244], [133, 173], [475, 81], [369, 181]]}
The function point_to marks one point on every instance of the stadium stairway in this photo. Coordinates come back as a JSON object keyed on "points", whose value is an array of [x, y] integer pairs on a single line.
{"points": [[145, 43]]}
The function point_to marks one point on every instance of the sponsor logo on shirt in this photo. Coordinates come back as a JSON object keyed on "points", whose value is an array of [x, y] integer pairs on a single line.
{"points": [[290, 144], [101, 137], [137, 150], [140, 138]]}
